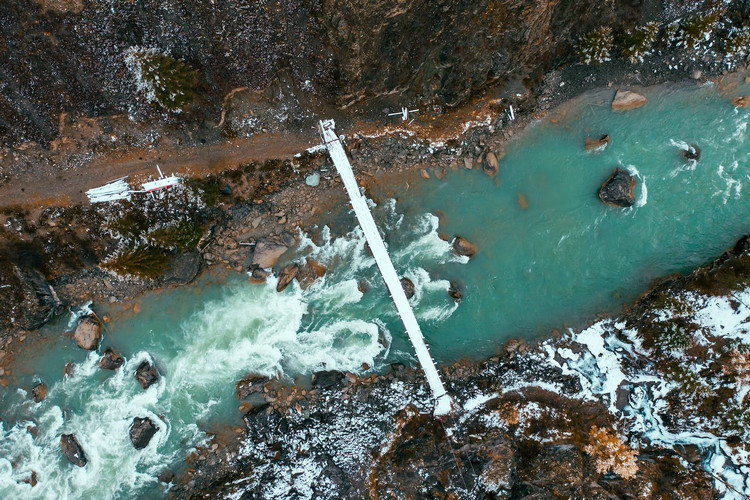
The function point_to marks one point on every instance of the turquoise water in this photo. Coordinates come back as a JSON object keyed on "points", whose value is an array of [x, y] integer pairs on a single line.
{"points": [[556, 263]]}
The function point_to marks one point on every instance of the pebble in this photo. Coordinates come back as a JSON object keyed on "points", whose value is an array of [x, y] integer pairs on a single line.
{"points": [[282, 220], [424, 173], [468, 162], [256, 221]]}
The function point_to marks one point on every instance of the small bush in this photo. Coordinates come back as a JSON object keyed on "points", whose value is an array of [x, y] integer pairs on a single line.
{"points": [[637, 43], [146, 261], [672, 339], [183, 236], [610, 453], [164, 79], [595, 47], [696, 29]]}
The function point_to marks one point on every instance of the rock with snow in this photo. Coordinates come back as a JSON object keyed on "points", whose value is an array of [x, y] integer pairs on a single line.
{"points": [[461, 246], [267, 253], [625, 99], [286, 276], [617, 190], [72, 450], [146, 374], [111, 360], [88, 333], [141, 431], [39, 392]]}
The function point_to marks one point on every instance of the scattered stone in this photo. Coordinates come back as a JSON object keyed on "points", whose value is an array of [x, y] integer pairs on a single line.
{"points": [[453, 165], [267, 253], [693, 152], [141, 432], [455, 292], [259, 275], [72, 450], [365, 366], [39, 392], [256, 221], [282, 220], [747, 79], [408, 286], [424, 173], [597, 144], [491, 164], [312, 180], [625, 99], [397, 367], [286, 276], [32, 480], [327, 379], [462, 247], [166, 476], [468, 162], [741, 102], [522, 201], [69, 368], [363, 286], [88, 333], [696, 74], [111, 360], [250, 384], [136, 308], [617, 190], [146, 374], [309, 272]]}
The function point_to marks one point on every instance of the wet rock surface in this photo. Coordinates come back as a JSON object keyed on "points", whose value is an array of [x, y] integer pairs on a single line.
{"points": [[88, 333], [617, 190], [408, 286], [111, 360], [286, 276], [72, 450], [141, 431], [461, 246], [146, 374], [39, 392]]}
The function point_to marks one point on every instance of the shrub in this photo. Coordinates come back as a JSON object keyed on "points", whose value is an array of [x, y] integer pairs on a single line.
{"points": [[696, 29], [147, 261], [164, 79], [610, 453], [595, 47], [637, 43], [737, 41], [183, 236]]}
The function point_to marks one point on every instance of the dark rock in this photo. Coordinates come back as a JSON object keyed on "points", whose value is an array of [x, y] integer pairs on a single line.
{"points": [[311, 271], [693, 152], [286, 276], [250, 384], [597, 144], [463, 247], [166, 476], [72, 450], [408, 286], [32, 480], [111, 360], [363, 286], [258, 275], [141, 432], [39, 392], [69, 369], [455, 292], [146, 374], [253, 408], [88, 333], [618, 189], [397, 367], [327, 379], [183, 268], [491, 164]]}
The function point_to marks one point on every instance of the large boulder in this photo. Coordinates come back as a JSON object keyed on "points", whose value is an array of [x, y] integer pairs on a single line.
{"points": [[88, 333], [72, 450], [311, 271], [462, 247], [286, 276], [625, 99], [141, 432], [111, 360], [408, 286], [183, 268], [618, 189], [491, 164], [327, 379], [267, 253], [39, 392], [146, 374]]}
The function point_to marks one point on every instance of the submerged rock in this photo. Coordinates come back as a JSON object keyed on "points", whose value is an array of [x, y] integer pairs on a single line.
{"points": [[597, 144], [267, 253], [166, 476], [741, 102], [625, 99], [462, 247], [327, 379], [693, 152], [408, 286], [88, 333], [286, 276], [39, 392], [617, 190], [250, 384], [72, 450], [111, 360], [309, 272], [141, 432], [146, 374]]}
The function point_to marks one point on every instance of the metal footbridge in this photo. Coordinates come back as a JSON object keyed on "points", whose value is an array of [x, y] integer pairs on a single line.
{"points": [[443, 402]]}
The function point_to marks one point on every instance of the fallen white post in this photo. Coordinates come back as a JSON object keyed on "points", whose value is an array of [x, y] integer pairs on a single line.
{"points": [[443, 402]]}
